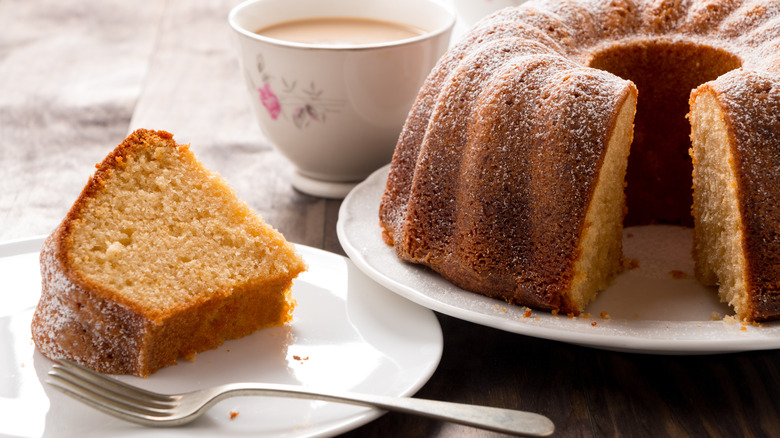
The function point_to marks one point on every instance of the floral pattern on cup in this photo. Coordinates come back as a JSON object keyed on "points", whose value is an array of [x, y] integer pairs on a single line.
{"points": [[270, 101], [302, 105]]}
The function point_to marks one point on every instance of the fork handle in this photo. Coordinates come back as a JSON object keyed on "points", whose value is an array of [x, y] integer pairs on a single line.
{"points": [[484, 417]]}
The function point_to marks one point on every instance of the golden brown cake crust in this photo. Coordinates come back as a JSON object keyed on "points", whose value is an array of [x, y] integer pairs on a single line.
{"points": [[96, 325], [512, 230]]}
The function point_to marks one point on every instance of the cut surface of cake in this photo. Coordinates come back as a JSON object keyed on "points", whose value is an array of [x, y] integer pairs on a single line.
{"points": [[736, 192], [158, 259], [495, 181]]}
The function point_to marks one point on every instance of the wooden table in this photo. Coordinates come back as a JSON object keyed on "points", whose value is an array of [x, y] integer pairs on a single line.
{"points": [[76, 76]]}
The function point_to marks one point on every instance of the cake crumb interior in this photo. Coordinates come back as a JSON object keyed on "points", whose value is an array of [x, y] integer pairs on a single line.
{"points": [[600, 259], [717, 236], [163, 230]]}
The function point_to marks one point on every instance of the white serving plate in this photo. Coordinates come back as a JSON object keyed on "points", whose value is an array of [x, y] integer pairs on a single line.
{"points": [[348, 333], [658, 308]]}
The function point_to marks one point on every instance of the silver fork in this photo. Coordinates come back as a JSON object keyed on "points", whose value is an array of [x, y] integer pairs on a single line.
{"points": [[154, 409]]}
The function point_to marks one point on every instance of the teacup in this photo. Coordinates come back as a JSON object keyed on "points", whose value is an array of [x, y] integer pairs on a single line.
{"points": [[336, 110]]}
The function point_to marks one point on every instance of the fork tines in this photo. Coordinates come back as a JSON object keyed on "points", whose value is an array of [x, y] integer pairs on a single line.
{"points": [[110, 395]]}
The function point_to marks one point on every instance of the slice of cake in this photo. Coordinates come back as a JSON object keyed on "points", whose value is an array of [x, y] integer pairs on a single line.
{"points": [[158, 259]]}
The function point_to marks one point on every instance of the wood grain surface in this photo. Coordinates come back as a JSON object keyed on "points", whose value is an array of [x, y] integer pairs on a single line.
{"points": [[76, 76]]}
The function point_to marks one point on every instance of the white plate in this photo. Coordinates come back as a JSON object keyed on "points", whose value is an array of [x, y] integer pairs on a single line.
{"points": [[657, 308], [348, 333]]}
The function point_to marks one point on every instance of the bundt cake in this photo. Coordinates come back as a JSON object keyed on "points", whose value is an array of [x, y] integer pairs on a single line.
{"points": [[156, 260], [508, 177]]}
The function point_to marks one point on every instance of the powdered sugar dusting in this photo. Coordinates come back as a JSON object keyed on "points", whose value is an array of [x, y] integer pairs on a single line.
{"points": [[526, 61], [61, 330]]}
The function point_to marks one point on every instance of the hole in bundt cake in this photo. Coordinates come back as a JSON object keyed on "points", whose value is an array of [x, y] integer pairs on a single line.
{"points": [[659, 178]]}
